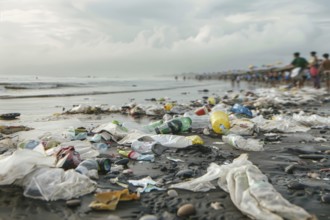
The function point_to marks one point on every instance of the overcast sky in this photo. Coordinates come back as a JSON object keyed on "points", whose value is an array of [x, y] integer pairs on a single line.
{"points": [[127, 37]]}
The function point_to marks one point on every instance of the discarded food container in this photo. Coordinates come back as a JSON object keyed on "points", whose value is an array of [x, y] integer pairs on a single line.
{"points": [[175, 125], [203, 110], [220, 122]]}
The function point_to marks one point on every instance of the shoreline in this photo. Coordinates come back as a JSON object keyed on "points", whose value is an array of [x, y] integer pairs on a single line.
{"points": [[273, 162]]}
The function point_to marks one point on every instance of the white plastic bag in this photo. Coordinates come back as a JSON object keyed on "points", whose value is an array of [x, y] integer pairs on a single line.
{"points": [[241, 143], [52, 184], [22, 162], [279, 124], [251, 192], [311, 120], [242, 127]]}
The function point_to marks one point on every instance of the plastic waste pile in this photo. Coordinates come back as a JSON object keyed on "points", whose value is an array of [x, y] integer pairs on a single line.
{"points": [[68, 165]]}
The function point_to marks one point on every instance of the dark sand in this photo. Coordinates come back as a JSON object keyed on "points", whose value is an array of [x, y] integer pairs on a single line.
{"points": [[277, 156]]}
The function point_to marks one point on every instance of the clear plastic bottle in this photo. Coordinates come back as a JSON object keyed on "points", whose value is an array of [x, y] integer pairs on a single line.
{"points": [[152, 125], [87, 165], [202, 121]]}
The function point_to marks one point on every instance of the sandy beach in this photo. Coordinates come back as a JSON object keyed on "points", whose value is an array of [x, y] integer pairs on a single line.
{"points": [[295, 163]]}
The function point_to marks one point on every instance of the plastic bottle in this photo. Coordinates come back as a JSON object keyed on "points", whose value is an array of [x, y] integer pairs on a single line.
{"points": [[174, 126], [241, 110], [30, 144], [104, 165], [87, 165], [201, 121], [220, 122], [152, 125]]}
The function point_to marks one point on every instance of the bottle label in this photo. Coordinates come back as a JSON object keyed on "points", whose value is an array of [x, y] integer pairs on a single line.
{"points": [[175, 126], [223, 129]]}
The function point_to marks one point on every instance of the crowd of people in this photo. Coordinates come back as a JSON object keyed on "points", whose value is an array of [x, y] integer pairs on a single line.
{"points": [[315, 68], [299, 72]]}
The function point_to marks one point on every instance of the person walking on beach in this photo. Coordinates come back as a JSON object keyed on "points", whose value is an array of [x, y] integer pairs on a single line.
{"points": [[299, 64], [314, 70], [325, 70]]}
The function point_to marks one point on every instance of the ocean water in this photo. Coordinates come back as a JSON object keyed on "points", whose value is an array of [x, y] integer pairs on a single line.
{"points": [[49, 94]]}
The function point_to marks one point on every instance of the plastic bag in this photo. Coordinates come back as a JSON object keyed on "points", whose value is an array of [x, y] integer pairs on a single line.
{"points": [[242, 127], [241, 110], [241, 143], [252, 194], [203, 183], [116, 131], [279, 124], [52, 184], [21, 163], [84, 148], [311, 120]]}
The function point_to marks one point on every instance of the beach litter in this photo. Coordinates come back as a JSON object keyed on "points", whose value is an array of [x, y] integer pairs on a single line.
{"points": [[110, 200], [175, 143]]}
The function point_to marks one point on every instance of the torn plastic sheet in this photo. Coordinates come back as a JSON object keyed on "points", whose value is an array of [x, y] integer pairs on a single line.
{"points": [[174, 141], [311, 120], [52, 184], [242, 127], [283, 96], [279, 124], [21, 163], [115, 130], [147, 183], [249, 190], [203, 183], [241, 143]]}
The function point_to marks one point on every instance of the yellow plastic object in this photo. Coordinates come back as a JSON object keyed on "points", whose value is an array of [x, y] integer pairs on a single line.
{"points": [[196, 139], [168, 106], [220, 122], [123, 152], [211, 100], [109, 200]]}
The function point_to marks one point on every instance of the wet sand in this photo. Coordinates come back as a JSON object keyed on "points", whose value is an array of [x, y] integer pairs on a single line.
{"points": [[294, 184]]}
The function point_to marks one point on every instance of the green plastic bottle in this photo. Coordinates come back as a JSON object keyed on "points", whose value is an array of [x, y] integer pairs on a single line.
{"points": [[174, 126]]}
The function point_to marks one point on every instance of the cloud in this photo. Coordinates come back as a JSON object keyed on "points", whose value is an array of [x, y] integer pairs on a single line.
{"points": [[150, 37]]}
